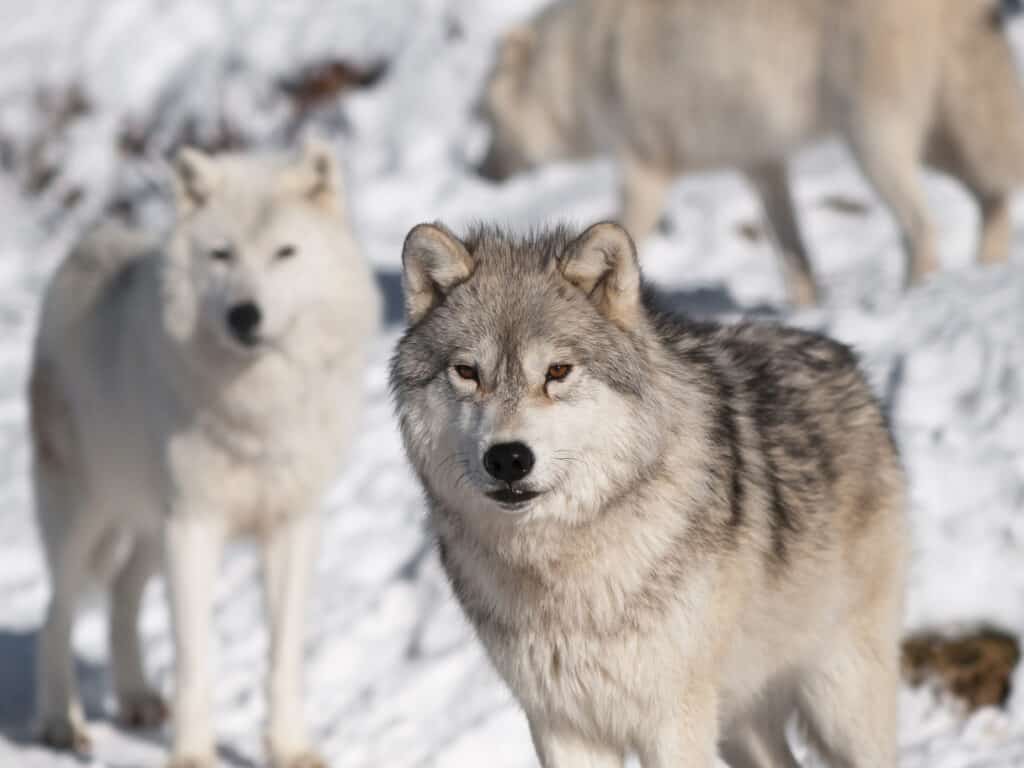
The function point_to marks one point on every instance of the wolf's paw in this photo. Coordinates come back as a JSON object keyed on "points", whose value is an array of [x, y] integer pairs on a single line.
{"points": [[301, 760], [66, 735], [192, 761], [142, 709]]}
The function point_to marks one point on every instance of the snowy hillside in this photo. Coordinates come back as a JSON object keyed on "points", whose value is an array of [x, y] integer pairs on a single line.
{"points": [[93, 93]]}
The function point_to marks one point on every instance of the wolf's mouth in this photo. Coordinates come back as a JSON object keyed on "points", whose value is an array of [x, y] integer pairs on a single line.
{"points": [[513, 497]]}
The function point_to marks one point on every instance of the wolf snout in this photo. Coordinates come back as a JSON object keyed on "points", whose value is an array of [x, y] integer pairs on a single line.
{"points": [[492, 167], [509, 462], [243, 321]]}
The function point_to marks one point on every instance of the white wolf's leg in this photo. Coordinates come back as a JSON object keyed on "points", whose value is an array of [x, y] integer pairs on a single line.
{"points": [[759, 739], [290, 551], [643, 196], [59, 709], [772, 186], [193, 548], [558, 748], [849, 702], [889, 157], [140, 705]]}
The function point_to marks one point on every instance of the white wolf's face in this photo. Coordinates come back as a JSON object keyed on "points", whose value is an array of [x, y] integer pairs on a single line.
{"points": [[521, 391], [255, 248]]}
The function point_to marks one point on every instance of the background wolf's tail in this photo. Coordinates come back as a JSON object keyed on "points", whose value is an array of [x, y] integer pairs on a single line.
{"points": [[98, 258]]}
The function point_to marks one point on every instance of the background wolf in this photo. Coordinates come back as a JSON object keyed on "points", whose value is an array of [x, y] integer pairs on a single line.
{"points": [[685, 85], [657, 527], [185, 392]]}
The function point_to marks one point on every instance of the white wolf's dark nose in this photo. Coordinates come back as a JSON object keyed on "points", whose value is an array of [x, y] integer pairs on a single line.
{"points": [[508, 461], [244, 322]]}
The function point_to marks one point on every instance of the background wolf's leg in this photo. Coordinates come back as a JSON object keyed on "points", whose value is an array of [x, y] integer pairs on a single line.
{"points": [[643, 196], [890, 158], [59, 708], [772, 185], [290, 552], [193, 548]]}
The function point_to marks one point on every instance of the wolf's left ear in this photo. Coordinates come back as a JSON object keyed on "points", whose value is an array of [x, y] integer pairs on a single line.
{"points": [[602, 262], [433, 262], [317, 176]]}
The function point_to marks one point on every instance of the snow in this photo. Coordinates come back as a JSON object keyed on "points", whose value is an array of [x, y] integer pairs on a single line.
{"points": [[395, 677]]}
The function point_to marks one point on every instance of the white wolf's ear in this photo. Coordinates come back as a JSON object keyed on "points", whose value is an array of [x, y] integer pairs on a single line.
{"points": [[433, 262], [602, 262], [195, 177], [316, 176]]}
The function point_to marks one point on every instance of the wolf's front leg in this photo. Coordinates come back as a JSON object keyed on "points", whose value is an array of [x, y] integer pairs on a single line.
{"points": [[686, 737], [290, 550], [193, 549], [559, 748]]}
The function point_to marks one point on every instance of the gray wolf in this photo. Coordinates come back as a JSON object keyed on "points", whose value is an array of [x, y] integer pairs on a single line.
{"points": [[669, 536], [186, 391], [687, 85]]}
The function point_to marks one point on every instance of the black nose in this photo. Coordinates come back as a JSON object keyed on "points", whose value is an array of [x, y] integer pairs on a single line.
{"points": [[244, 321], [508, 461]]}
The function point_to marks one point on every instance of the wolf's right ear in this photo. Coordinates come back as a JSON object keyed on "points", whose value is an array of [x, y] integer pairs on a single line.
{"points": [[433, 262], [602, 262], [195, 176]]}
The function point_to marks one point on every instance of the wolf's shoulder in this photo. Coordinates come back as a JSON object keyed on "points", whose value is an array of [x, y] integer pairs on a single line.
{"points": [[761, 346]]}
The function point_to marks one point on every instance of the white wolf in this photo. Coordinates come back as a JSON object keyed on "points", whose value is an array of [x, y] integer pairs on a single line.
{"points": [[187, 391], [669, 86], [669, 536]]}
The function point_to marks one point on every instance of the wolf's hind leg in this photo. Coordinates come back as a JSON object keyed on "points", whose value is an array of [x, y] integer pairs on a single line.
{"points": [[643, 196], [776, 195], [139, 704], [994, 245], [889, 155], [59, 709]]}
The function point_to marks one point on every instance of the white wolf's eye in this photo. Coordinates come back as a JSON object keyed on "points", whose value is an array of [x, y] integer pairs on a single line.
{"points": [[467, 372], [284, 252], [223, 253], [558, 371]]}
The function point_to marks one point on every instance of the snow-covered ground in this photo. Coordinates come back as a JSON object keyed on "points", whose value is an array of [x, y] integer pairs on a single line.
{"points": [[395, 677]]}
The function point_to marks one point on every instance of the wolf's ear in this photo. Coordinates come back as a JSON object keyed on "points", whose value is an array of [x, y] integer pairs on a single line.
{"points": [[316, 176], [195, 177], [433, 262], [602, 262]]}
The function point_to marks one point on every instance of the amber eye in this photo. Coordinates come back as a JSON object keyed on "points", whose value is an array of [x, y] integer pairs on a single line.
{"points": [[558, 371], [285, 252], [467, 372]]}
